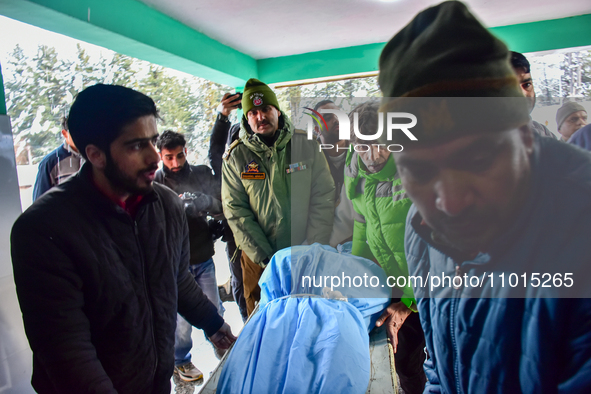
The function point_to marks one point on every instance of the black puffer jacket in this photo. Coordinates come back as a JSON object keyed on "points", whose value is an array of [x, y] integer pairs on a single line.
{"points": [[98, 289], [200, 181]]}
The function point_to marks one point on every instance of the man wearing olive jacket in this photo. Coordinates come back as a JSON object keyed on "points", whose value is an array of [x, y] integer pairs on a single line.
{"points": [[276, 186]]}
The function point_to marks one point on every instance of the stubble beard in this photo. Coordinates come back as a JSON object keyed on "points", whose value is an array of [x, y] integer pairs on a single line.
{"points": [[122, 182]]}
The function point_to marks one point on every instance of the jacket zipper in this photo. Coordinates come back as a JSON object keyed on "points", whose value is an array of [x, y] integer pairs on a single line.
{"points": [[150, 308], [453, 310], [454, 303]]}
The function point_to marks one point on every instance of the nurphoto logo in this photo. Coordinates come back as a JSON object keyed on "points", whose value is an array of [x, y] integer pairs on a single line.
{"points": [[393, 124]]}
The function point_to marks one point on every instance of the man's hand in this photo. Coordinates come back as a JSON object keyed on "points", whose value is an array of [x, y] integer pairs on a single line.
{"points": [[223, 338], [394, 316], [229, 103]]}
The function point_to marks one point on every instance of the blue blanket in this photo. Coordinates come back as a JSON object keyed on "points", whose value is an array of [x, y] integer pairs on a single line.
{"points": [[301, 342]]}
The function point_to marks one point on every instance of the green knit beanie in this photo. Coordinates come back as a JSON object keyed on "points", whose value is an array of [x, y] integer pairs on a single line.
{"points": [[453, 74], [257, 94]]}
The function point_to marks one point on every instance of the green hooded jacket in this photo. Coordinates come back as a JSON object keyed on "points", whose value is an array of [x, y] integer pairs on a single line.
{"points": [[381, 206], [268, 206]]}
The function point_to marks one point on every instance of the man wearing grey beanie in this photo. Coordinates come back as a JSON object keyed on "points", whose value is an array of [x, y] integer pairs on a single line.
{"points": [[491, 201], [569, 118]]}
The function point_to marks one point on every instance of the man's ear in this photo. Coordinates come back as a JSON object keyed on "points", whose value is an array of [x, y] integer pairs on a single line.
{"points": [[96, 156]]}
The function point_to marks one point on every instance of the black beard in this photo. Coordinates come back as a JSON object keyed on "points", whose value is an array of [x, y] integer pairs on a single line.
{"points": [[120, 181]]}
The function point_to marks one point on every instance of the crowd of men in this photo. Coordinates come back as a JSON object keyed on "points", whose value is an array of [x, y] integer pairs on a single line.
{"points": [[494, 192]]}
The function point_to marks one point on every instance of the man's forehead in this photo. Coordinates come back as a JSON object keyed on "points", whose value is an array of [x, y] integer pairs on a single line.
{"points": [[522, 75], [173, 151], [454, 148], [141, 128], [578, 114], [263, 108]]}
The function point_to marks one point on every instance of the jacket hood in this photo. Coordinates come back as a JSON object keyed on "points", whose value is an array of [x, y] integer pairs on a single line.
{"points": [[355, 171], [72, 151], [256, 144]]}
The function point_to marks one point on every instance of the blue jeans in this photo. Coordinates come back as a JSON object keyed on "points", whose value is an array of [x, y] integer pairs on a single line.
{"points": [[204, 274]]}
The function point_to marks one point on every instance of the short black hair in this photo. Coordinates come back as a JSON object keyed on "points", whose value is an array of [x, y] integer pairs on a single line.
{"points": [[520, 61], [100, 112], [170, 140], [64, 123], [322, 103]]}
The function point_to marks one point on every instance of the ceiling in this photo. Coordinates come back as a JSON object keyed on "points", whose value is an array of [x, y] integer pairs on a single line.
{"points": [[273, 28], [281, 41]]}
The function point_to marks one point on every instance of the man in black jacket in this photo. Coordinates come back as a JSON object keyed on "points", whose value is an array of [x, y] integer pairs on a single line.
{"points": [[99, 299], [201, 196]]}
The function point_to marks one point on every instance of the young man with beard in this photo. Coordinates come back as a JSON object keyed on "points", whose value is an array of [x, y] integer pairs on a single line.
{"points": [[276, 186], [493, 202], [335, 151], [202, 199], [99, 300], [522, 69]]}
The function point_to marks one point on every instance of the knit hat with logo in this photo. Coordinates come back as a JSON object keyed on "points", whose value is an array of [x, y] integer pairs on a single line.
{"points": [[257, 94]]}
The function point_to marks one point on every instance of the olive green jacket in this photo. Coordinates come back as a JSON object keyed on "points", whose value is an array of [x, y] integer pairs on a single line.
{"points": [[268, 206]]}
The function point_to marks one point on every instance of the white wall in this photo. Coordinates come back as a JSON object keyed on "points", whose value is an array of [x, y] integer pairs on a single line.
{"points": [[15, 354]]}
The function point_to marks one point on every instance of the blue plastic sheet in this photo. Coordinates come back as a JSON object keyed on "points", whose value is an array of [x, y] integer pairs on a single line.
{"points": [[300, 342]]}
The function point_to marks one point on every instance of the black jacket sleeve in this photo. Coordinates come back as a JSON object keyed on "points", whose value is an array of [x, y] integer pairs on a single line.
{"points": [[193, 304]]}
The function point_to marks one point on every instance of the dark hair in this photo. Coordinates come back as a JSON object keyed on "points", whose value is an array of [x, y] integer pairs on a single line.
{"points": [[520, 61], [322, 103], [100, 112], [170, 140], [368, 119]]}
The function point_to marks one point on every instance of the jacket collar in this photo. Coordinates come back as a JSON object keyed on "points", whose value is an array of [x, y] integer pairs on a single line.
{"points": [[354, 168], [355, 172], [388, 173], [72, 151]]}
